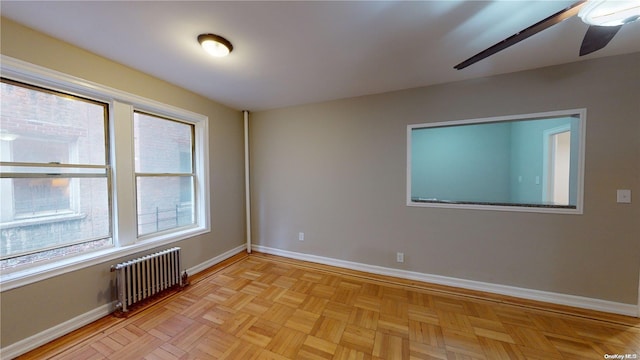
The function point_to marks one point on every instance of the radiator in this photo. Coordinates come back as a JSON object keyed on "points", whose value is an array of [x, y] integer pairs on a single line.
{"points": [[146, 276]]}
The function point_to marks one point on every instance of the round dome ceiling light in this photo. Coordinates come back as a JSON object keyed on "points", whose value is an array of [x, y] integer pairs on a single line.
{"points": [[610, 13], [215, 45]]}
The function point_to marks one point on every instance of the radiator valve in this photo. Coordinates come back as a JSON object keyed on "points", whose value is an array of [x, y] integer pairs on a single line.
{"points": [[184, 280]]}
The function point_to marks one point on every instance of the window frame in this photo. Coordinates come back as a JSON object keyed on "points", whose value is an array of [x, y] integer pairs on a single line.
{"points": [[578, 210], [192, 175], [123, 209], [73, 212]]}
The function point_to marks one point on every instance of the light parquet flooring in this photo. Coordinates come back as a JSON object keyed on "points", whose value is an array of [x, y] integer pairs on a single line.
{"points": [[266, 307]]}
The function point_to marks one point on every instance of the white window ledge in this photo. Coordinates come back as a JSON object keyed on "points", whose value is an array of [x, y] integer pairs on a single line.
{"points": [[11, 279]]}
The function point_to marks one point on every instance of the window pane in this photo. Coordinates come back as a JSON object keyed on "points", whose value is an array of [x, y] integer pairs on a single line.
{"points": [[525, 163], [164, 202], [40, 150], [48, 210], [161, 145], [47, 127], [41, 196], [53, 214]]}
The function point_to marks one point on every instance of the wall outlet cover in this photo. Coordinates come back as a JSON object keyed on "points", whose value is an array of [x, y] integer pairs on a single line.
{"points": [[623, 196]]}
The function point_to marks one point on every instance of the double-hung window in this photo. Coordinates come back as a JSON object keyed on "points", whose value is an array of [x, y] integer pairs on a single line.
{"points": [[164, 173], [89, 173], [54, 179]]}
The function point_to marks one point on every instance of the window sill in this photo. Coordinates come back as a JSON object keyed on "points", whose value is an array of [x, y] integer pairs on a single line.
{"points": [[11, 279], [41, 220], [536, 208]]}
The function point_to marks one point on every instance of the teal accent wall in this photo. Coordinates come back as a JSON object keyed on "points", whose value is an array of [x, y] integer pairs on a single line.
{"points": [[480, 154], [527, 160], [490, 162]]}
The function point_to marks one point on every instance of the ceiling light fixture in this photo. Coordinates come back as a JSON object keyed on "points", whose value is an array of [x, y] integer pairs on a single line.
{"points": [[610, 13], [215, 45]]}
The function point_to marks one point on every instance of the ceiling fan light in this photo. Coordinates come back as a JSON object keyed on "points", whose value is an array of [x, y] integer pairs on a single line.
{"points": [[215, 45], [610, 13]]}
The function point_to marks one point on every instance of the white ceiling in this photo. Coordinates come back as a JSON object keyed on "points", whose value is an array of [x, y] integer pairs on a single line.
{"points": [[296, 52]]}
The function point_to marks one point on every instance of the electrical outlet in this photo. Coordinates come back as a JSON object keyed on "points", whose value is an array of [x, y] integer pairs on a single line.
{"points": [[300, 236], [400, 257], [623, 196]]}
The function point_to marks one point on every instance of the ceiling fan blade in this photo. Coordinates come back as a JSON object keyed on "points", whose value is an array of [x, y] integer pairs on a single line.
{"points": [[597, 37], [561, 15]]}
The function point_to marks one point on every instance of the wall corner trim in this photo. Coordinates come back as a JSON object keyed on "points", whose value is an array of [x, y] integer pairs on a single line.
{"points": [[523, 293], [25, 345]]}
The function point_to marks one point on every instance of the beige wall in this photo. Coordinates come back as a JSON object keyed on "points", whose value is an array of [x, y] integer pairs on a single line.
{"points": [[34, 308], [337, 172]]}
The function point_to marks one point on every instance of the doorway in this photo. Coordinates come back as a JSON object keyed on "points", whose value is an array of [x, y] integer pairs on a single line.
{"points": [[557, 148]]}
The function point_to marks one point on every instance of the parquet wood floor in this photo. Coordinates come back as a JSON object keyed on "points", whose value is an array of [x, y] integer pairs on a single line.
{"points": [[265, 307]]}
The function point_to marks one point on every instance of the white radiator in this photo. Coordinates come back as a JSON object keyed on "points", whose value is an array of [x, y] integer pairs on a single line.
{"points": [[146, 276]]}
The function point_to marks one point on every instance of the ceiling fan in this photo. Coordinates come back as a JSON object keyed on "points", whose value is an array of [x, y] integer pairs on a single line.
{"points": [[604, 17]]}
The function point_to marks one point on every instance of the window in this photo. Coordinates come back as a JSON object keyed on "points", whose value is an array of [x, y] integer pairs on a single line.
{"points": [[33, 196], [164, 173], [527, 162], [89, 173], [54, 181]]}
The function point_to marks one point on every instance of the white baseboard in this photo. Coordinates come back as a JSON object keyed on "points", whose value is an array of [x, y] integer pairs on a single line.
{"points": [[41, 338], [209, 263], [530, 294]]}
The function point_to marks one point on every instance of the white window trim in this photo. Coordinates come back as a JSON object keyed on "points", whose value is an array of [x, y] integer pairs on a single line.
{"points": [[124, 207], [523, 208]]}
